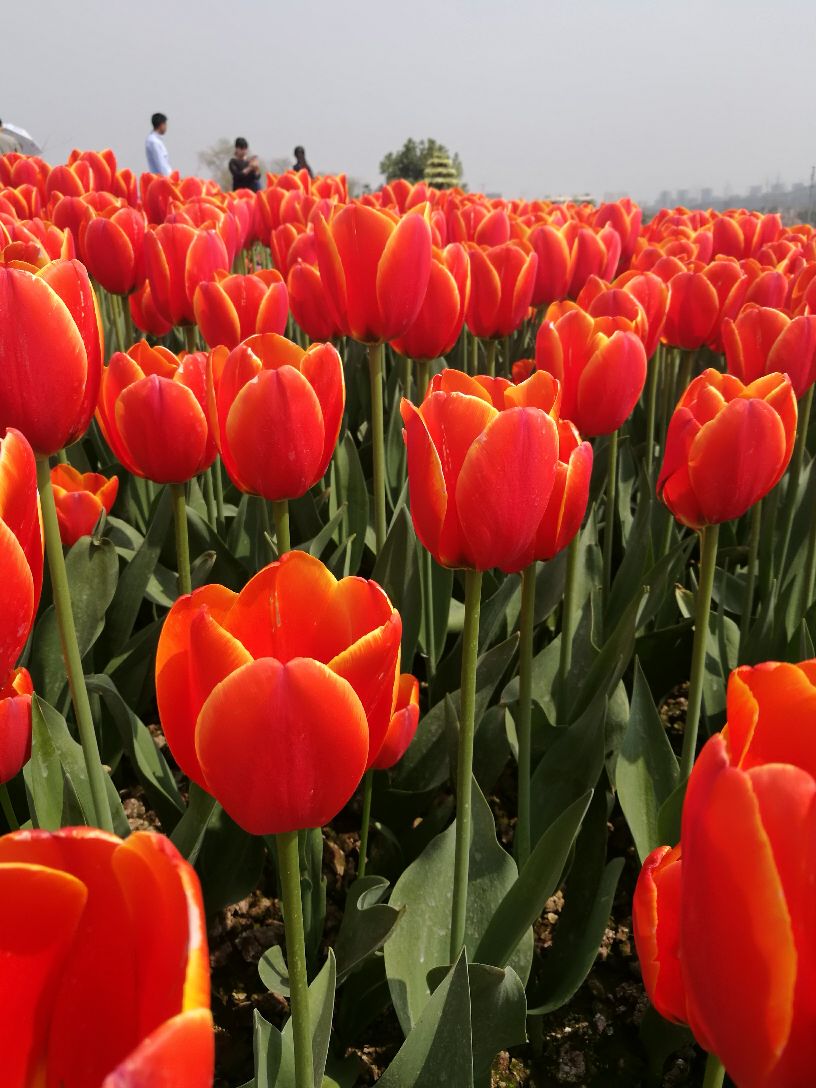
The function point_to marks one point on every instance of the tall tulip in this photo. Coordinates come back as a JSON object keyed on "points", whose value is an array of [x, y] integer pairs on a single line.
{"points": [[375, 269], [693, 311], [114, 249], [502, 279], [180, 257], [103, 962]]}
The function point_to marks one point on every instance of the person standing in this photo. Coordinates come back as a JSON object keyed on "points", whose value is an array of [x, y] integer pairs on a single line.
{"points": [[158, 161], [245, 169], [300, 161]]}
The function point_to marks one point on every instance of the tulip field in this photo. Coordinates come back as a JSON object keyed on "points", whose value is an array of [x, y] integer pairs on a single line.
{"points": [[407, 669]]}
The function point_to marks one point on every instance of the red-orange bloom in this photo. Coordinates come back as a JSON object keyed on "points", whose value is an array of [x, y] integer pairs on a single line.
{"points": [[230, 308], [375, 269], [80, 498], [723, 923], [144, 313], [276, 410], [764, 341], [113, 249], [727, 446], [502, 279], [439, 322], [180, 257], [50, 353], [21, 546], [403, 724], [276, 699], [104, 970], [693, 312], [15, 724], [152, 411], [601, 365], [482, 456]]}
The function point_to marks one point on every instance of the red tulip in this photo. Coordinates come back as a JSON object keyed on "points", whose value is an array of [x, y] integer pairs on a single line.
{"points": [[276, 412], [501, 289], [601, 365], [80, 498], [764, 341], [693, 311], [374, 269], [310, 305], [472, 503], [439, 322], [276, 699], [152, 411], [15, 724], [179, 258], [403, 724], [231, 308], [50, 353], [727, 446], [113, 246], [21, 546], [144, 314], [553, 268], [656, 926], [104, 970]]}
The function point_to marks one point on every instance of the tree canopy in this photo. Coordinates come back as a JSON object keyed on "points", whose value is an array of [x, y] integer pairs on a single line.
{"points": [[413, 158]]}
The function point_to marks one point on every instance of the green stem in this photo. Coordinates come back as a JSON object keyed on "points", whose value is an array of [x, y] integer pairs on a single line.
{"points": [[750, 577], [714, 1072], [490, 351], [375, 372], [182, 540], [464, 772], [474, 360], [463, 350], [525, 711], [685, 373], [368, 789], [289, 872], [280, 512], [609, 524], [266, 528], [101, 814], [219, 495], [708, 565], [794, 475], [8, 808], [427, 611], [423, 378], [651, 408], [508, 366], [568, 622], [209, 497], [406, 376], [130, 335], [767, 559], [809, 579], [190, 338]]}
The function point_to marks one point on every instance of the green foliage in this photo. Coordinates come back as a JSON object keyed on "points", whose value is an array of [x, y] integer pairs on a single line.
{"points": [[416, 158]]}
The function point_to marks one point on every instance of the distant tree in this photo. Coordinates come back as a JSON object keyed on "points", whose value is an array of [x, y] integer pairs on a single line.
{"points": [[411, 160], [213, 161]]}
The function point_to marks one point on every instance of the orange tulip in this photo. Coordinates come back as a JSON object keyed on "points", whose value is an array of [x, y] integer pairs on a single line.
{"points": [[276, 699], [104, 970], [21, 546], [309, 303], [501, 288], [552, 270], [693, 311], [723, 922], [113, 249], [439, 322], [15, 724], [229, 308], [80, 498], [601, 365], [482, 456], [403, 724], [276, 410], [180, 257], [152, 411], [727, 446], [144, 314], [764, 341], [375, 270], [50, 353]]}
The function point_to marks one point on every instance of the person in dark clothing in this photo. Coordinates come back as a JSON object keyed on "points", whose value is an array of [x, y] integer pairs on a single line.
{"points": [[245, 169], [300, 161]]}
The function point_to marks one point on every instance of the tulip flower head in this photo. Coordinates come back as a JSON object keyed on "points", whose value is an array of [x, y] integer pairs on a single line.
{"points": [[276, 412], [104, 968], [15, 724], [113, 249], [403, 724], [152, 413], [277, 699], [482, 457], [230, 308], [763, 340], [80, 498], [502, 279], [21, 546], [727, 446]]}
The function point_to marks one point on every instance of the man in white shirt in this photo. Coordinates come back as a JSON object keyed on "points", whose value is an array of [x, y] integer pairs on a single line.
{"points": [[158, 161]]}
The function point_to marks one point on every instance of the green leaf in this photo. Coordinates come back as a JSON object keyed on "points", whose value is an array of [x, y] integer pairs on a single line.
{"points": [[367, 924], [273, 972], [424, 891], [230, 862], [397, 571], [438, 1050], [350, 492], [670, 816], [43, 773], [133, 582], [536, 882], [312, 889], [661, 1039], [274, 1050], [647, 770], [498, 1014], [92, 571], [147, 759], [321, 541]]}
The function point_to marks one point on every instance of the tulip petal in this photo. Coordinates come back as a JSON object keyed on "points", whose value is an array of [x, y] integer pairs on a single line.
{"points": [[163, 428], [656, 925], [402, 275], [426, 482], [180, 1053]]}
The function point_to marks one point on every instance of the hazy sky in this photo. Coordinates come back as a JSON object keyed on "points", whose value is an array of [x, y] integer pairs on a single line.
{"points": [[538, 98]]}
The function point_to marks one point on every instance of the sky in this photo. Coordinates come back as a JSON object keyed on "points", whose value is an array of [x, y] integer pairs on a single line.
{"points": [[538, 98]]}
